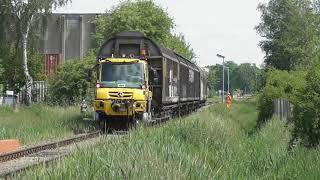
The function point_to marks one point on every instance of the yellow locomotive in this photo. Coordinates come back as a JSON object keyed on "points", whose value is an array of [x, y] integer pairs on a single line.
{"points": [[138, 80]]}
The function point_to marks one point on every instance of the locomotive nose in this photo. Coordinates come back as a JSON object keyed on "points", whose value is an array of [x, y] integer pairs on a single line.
{"points": [[121, 106]]}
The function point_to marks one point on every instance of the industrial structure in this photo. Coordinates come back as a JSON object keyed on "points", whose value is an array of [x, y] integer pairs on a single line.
{"points": [[65, 37]]}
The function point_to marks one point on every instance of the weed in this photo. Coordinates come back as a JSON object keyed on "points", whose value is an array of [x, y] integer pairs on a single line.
{"points": [[38, 122], [212, 144]]}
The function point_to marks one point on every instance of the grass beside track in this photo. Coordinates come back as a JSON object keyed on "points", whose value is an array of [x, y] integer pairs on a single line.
{"points": [[214, 143], [38, 123]]}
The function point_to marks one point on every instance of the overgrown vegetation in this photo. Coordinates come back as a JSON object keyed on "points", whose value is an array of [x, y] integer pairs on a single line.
{"points": [[292, 37], [69, 85], [306, 111], [279, 85], [39, 122], [213, 144]]}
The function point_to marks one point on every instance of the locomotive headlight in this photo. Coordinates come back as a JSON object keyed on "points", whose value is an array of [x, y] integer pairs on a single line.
{"points": [[101, 104]]}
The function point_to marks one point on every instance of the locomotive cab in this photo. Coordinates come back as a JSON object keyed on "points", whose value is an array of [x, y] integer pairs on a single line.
{"points": [[122, 89]]}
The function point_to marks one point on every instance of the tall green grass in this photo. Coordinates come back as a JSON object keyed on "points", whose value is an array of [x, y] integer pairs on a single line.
{"points": [[38, 122], [214, 143]]}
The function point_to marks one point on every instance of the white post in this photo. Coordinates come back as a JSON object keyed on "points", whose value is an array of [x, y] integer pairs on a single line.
{"points": [[228, 81], [223, 80], [220, 56]]}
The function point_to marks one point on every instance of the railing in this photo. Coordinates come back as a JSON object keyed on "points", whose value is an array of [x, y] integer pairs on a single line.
{"points": [[39, 91]]}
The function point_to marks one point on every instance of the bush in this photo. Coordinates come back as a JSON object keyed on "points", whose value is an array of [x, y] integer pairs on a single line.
{"points": [[279, 85], [69, 85], [306, 113]]}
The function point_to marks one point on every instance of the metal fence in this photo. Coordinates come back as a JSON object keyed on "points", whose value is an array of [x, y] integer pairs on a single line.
{"points": [[39, 91], [282, 109]]}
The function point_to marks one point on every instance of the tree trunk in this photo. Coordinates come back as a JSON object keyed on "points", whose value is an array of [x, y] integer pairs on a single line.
{"points": [[28, 78]]}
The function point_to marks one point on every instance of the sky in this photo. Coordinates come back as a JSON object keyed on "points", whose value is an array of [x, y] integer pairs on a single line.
{"points": [[212, 27]]}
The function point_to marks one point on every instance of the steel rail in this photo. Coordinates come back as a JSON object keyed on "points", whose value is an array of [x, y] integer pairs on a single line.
{"points": [[32, 150]]}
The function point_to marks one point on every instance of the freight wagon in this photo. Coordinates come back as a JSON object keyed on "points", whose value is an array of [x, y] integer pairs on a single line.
{"points": [[139, 80]]}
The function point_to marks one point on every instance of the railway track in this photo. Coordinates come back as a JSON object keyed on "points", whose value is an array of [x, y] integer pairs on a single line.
{"points": [[13, 162]]}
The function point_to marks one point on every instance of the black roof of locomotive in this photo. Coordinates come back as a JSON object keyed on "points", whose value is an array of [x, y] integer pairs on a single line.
{"points": [[157, 50]]}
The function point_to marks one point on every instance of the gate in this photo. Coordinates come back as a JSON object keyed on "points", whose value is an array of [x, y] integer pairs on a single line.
{"points": [[39, 91]]}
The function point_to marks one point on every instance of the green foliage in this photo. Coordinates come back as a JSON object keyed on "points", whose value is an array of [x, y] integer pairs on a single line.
{"points": [[246, 77], [8, 46], [179, 44], [12, 74], [69, 85], [279, 85], [214, 78], [291, 30], [144, 16], [233, 68], [306, 112], [291, 33]]}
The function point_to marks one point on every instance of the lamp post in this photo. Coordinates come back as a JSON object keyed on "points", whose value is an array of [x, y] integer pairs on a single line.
{"points": [[220, 56], [228, 79]]}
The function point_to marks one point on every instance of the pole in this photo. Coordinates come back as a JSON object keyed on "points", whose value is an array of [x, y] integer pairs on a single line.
{"points": [[228, 80], [223, 80], [220, 56]]}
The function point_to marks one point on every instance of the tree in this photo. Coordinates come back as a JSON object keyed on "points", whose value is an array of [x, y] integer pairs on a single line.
{"points": [[25, 13], [247, 77], [144, 16], [9, 45], [179, 44], [232, 66], [290, 29], [215, 78]]}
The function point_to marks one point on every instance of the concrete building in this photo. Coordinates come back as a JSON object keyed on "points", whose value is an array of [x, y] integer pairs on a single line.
{"points": [[66, 37]]}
